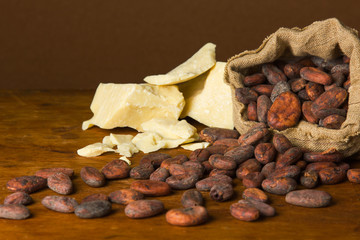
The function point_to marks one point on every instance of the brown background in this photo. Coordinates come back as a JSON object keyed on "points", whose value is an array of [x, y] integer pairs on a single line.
{"points": [[61, 44]]}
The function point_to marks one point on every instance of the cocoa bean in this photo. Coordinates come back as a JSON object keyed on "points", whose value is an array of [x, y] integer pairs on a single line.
{"points": [[339, 78], [333, 121], [244, 212], [47, 172], [332, 175], [144, 208], [291, 156], [317, 166], [308, 198], [151, 188], [212, 134], [92, 177], [217, 149], [307, 113], [241, 154], [183, 182], [301, 164], [201, 155], [14, 211], [254, 135], [332, 98], [272, 73], [142, 171], [314, 90], [327, 64], [254, 79], [263, 106], [221, 192], [194, 168], [93, 209], [159, 174], [265, 152], [279, 88], [60, 183], [279, 186], [245, 95], [116, 169], [323, 157], [328, 87], [253, 180], [353, 175], [154, 158], [222, 162], [190, 216], [177, 170], [263, 208], [230, 173], [60, 203], [18, 198], [330, 111], [251, 165], [315, 75], [302, 94], [255, 194], [297, 84], [341, 68], [292, 70], [252, 111], [179, 159], [192, 198], [268, 168], [309, 179], [95, 197], [229, 142], [281, 143], [28, 184], [207, 166], [284, 112], [291, 171], [125, 196], [263, 89], [207, 183]]}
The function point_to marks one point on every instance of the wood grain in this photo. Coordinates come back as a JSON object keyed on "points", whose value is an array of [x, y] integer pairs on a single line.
{"points": [[41, 129]]}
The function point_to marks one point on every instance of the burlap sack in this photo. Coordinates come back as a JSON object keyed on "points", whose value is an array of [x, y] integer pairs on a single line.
{"points": [[327, 39]]}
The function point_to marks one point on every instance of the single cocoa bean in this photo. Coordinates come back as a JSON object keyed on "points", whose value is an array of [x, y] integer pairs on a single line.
{"points": [[142, 171], [47, 172], [116, 169], [154, 158], [251, 165], [317, 166], [263, 106], [93, 209], [323, 113], [245, 95], [28, 184], [221, 192], [182, 182], [309, 179], [18, 198], [265, 152], [314, 90], [212, 134], [353, 175], [252, 111], [291, 171], [177, 169], [263, 89], [253, 180], [315, 75], [217, 149], [254, 135], [254, 79], [151, 188], [281, 143], [308, 198], [144, 208], [92, 177], [264, 208], [272, 73], [291, 156], [60, 203], [222, 162], [307, 113], [160, 174], [268, 169], [230, 173], [207, 183], [332, 175], [297, 84], [279, 186], [192, 198], [323, 157], [279, 88], [255, 194], [229, 142], [201, 155], [244, 212], [302, 94], [333, 121], [14, 211], [241, 153], [332, 98], [179, 159], [194, 168], [328, 87], [95, 197], [60, 183], [190, 216], [125, 196]]}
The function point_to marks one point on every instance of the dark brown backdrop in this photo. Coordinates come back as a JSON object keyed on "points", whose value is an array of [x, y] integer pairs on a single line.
{"points": [[51, 44]]}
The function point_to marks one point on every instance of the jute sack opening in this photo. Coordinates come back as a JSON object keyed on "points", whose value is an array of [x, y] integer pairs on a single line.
{"points": [[327, 39]]}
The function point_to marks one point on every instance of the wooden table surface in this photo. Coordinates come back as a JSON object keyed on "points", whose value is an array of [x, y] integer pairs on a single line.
{"points": [[42, 129]]}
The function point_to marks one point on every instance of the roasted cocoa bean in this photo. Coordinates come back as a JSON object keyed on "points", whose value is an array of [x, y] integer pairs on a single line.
{"points": [[281, 143], [241, 153], [201, 155], [95, 197], [332, 175], [265, 152], [264, 208], [341, 68], [307, 113], [339, 78], [255, 194], [154, 158], [28, 184], [284, 112], [272, 73], [60, 183], [330, 86], [254, 79], [245, 95], [60, 203], [212, 134], [192, 198], [302, 94], [221, 192], [18, 198], [353, 175], [142, 171], [279, 88], [291, 171], [179, 159], [194, 168], [317, 166], [144, 208], [292, 70], [297, 84], [125, 196], [263, 89], [254, 135], [323, 156], [160, 174], [222, 162], [217, 149], [251, 165], [177, 170], [207, 183], [182, 182], [92, 177], [230, 173], [268, 168], [116, 169], [14, 211], [333, 121], [229, 142], [309, 179], [207, 166], [253, 180], [331, 111], [252, 111], [327, 64], [315, 75], [244, 212], [291, 156], [332, 98], [279, 186], [93, 209], [308, 198], [314, 90], [190, 216], [151, 188], [47, 172], [263, 106], [301, 164]]}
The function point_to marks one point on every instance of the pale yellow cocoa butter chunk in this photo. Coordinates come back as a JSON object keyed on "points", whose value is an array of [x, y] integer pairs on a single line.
{"points": [[199, 63], [130, 105], [194, 146], [208, 99], [93, 150]]}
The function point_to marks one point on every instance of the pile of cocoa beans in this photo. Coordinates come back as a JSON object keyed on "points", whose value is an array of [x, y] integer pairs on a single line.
{"points": [[264, 163], [311, 89]]}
